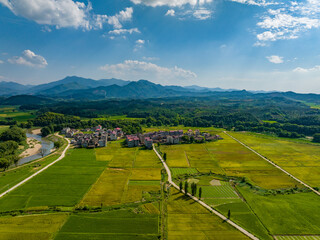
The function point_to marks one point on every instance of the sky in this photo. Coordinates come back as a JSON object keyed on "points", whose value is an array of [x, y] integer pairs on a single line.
{"points": [[239, 44]]}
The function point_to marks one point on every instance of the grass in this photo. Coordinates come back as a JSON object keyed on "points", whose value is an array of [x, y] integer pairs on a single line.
{"points": [[286, 214], [189, 220], [40, 227], [300, 159], [63, 184], [121, 224]]}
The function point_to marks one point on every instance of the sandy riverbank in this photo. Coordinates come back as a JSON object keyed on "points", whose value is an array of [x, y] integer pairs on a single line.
{"points": [[34, 148], [36, 131]]}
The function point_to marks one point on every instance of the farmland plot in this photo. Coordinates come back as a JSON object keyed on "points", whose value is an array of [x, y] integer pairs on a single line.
{"points": [[40, 227], [300, 159], [187, 220], [120, 225], [63, 184]]}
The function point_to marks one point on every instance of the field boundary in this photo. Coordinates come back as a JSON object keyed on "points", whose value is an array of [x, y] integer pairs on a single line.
{"points": [[275, 165], [37, 173], [245, 232]]}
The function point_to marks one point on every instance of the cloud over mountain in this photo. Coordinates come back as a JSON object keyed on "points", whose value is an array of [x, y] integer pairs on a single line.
{"points": [[145, 70], [29, 58]]}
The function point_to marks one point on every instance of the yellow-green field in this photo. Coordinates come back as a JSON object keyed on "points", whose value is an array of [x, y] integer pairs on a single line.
{"points": [[227, 157], [300, 159], [188, 220], [131, 172], [38, 227], [16, 114]]}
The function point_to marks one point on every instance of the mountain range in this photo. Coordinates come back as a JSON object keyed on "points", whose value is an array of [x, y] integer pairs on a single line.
{"points": [[77, 88]]}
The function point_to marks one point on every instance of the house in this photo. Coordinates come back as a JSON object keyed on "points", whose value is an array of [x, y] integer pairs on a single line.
{"points": [[132, 140], [148, 142]]}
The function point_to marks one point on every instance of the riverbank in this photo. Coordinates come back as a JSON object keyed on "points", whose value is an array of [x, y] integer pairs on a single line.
{"points": [[34, 147]]}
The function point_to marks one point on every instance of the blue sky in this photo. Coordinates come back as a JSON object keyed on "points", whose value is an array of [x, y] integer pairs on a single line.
{"points": [[242, 44]]}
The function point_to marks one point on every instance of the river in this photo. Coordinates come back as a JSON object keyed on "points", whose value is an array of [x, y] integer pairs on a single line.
{"points": [[47, 146]]}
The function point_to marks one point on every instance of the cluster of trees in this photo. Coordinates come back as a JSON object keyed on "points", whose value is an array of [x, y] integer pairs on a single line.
{"points": [[241, 111], [193, 189], [9, 144], [53, 122]]}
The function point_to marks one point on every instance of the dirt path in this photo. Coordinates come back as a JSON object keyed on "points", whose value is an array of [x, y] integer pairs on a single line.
{"points": [[245, 232], [40, 171], [275, 165]]}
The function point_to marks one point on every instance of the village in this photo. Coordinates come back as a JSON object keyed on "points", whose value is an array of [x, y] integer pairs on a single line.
{"points": [[99, 137]]}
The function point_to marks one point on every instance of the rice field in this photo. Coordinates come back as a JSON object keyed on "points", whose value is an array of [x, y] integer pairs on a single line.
{"points": [[306, 237], [227, 157], [39, 227], [131, 173], [120, 225], [180, 171], [63, 184], [187, 220], [15, 113], [293, 214], [300, 159], [225, 191]]}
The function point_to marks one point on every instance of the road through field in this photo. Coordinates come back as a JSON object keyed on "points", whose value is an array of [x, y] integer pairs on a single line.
{"points": [[245, 232], [275, 165], [40, 171]]}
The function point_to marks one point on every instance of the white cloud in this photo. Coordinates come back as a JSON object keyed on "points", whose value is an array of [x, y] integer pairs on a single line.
{"points": [[1, 77], [140, 41], [202, 14], [139, 44], [150, 58], [65, 13], [307, 70], [285, 20], [30, 59], [255, 2], [133, 69], [171, 3], [275, 59], [170, 12], [124, 31], [122, 16], [1, 62]]}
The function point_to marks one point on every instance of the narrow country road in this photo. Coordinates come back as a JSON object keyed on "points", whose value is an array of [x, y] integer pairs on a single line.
{"points": [[40, 171], [275, 165], [245, 232]]}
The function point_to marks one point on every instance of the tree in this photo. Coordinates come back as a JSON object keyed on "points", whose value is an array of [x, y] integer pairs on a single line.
{"points": [[229, 214], [45, 131], [186, 185], [15, 159], [200, 193], [316, 138], [57, 144], [180, 186], [4, 163], [43, 152], [14, 133], [165, 156]]}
